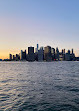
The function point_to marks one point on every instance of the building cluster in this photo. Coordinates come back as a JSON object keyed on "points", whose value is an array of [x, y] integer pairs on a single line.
{"points": [[43, 54]]}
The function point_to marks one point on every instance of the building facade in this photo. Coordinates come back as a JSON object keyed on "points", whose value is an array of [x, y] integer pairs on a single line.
{"points": [[41, 54], [47, 53], [31, 56]]}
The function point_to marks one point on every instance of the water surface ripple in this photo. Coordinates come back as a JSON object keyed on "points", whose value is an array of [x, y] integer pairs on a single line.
{"points": [[39, 86]]}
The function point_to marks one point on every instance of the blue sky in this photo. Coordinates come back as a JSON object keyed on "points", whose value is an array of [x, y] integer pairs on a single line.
{"points": [[23, 23]]}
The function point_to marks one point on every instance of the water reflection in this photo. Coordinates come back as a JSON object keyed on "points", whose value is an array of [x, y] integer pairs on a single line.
{"points": [[44, 86]]}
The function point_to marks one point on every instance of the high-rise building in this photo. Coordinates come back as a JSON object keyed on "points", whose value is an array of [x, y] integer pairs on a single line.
{"points": [[72, 56], [37, 48], [13, 57], [68, 56], [23, 55], [36, 52], [17, 57], [57, 53], [53, 53], [69, 52], [31, 56], [47, 53], [64, 51], [72, 51], [64, 54], [61, 58], [10, 56], [40, 54]]}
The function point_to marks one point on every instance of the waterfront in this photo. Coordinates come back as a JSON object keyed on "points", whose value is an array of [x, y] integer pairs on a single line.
{"points": [[39, 86]]}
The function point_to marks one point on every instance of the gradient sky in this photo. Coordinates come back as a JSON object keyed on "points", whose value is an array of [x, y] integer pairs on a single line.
{"points": [[25, 23]]}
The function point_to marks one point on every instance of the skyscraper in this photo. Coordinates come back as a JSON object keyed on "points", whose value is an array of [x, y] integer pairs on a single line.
{"points": [[64, 51], [31, 56], [40, 54], [53, 53], [17, 57], [64, 54], [10, 56], [72, 55], [68, 56], [13, 57], [23, 55], [47, 53], [37, 48], [57, 53], [72, 51]]}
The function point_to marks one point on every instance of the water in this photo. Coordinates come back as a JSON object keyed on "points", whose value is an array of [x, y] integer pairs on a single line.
{"points": [[39, 86]]}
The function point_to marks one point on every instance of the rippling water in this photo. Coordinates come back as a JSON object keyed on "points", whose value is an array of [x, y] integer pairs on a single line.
{"points": [[39, 86]]}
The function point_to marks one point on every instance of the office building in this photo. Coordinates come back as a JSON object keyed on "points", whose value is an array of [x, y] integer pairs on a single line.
{"points": [[53, 53], [40, 54], [72, 51], [47, 53], [61, 56], [14, 57], [57, 54], [31, 56], [67, 56], [10, 56], [64, 54], [23, 55], [36, 52], [72, 55], [37, 48], [17, 58]]}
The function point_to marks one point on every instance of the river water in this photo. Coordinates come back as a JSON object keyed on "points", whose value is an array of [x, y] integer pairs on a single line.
{"points": [[39, 86]]}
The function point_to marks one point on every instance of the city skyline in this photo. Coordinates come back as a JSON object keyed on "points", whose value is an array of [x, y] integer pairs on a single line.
{"points": [[18, 51], [48, 22], [46, 53]]}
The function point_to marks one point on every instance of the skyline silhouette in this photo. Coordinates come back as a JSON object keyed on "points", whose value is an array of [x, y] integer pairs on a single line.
{"points": [[46, 53]]}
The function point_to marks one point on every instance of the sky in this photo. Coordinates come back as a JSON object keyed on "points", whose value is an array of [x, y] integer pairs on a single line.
{"points": [[25, 23]]}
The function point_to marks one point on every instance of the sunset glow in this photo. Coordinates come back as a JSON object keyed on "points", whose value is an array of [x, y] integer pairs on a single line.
{"points": [[48, 22]]}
